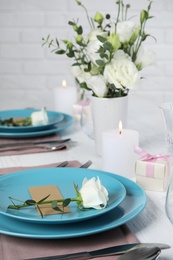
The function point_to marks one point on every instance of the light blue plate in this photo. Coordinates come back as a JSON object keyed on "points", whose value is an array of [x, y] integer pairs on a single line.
{"points": [[53, 117], [131, 206], [66, 122], [16, 186]]}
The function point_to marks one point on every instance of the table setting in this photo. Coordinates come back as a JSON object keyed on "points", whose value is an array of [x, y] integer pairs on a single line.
{"points": [[82, 182]]}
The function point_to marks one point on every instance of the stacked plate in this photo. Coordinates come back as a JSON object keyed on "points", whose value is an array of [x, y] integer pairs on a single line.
{"points": [[126, 201], [57, 122]]}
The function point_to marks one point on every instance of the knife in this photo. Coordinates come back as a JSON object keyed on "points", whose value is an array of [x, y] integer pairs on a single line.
{"points": [[37, 142], [115, 250]]}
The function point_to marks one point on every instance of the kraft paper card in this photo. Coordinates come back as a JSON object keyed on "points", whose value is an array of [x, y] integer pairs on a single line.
{"points": [[39, 192]]}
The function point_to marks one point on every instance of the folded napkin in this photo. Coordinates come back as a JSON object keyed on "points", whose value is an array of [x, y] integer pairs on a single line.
{"points": [[38, 148], [16, 248], [52, 165]]}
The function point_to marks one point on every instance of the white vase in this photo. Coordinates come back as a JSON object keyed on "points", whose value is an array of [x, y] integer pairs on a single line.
{"points": [[107, 113]]}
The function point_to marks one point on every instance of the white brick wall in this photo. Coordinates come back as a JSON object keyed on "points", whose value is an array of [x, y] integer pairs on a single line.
{"points": [[29, 72]]}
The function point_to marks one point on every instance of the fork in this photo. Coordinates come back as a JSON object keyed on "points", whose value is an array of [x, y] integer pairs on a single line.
{"points": [[86, 165]]}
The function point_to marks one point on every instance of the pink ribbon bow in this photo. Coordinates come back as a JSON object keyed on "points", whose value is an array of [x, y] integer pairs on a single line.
{"points": [[144, 156]]}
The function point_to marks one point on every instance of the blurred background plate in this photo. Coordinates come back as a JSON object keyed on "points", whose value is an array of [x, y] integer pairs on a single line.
{"points": [[53, 117], [66, 122]]}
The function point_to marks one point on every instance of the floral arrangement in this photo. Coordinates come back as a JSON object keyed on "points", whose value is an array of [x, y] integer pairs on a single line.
{"points": [[108, 60], [91, 195]]}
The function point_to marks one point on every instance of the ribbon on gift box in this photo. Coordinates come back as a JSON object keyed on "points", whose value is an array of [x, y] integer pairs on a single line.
{"points": [[144, 156]]}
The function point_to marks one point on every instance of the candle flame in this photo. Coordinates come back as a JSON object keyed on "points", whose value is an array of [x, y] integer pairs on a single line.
{"points": [[120, 127], [64, 84]]}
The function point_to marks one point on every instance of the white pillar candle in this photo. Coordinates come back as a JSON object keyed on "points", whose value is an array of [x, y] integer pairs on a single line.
{"points": [[118, 154], [65, 97]]}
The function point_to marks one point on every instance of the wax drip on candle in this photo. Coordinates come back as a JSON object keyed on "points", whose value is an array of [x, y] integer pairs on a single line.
{"points": [[120, 127], [64, 84]]}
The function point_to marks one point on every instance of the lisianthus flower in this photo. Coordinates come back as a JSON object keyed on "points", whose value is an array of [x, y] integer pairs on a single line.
{"points": [[98, 85], [80, 74], [92, 36], [144, 58], [125, 30]]}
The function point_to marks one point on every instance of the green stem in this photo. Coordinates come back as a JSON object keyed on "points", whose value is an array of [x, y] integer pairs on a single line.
{"points": [[89, 20], [24, 205]]}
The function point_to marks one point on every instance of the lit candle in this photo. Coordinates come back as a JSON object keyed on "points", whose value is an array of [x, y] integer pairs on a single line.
{"points": [[118, 154], [65, 97]]}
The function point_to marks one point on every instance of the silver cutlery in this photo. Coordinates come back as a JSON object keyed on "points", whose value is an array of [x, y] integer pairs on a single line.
{"points": [[115, 250], [47, 147], [86, 165], [63, 164], [35, 142], [141, 253]]}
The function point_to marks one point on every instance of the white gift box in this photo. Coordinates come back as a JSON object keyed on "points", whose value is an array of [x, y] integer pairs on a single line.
{"points": [[153, 174]]}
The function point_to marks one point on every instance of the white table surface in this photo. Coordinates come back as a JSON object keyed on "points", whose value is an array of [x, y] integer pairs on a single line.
{"points": [[151, 225]]}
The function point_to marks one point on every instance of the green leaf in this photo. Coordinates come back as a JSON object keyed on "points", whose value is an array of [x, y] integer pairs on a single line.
{"points": [[40, 211], [71, 23], [100, 62], [43, 199], [30, 202], [76, 64], [70, 54], [101, 38], [103, 55], [57, 42], [66, 202], [107, 46], [80, 30], [76, 186], [60, 52], [54, 206]]}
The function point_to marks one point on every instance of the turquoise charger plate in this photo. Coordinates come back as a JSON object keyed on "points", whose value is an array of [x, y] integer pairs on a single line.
{"points": [[16, 185], [132, 205]]}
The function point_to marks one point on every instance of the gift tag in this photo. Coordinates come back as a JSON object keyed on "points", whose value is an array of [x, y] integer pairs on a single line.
{"points": [[40, 192]]}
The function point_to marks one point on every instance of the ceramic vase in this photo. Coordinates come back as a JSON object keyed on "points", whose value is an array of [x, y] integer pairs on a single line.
{"points": [[107, 113]]}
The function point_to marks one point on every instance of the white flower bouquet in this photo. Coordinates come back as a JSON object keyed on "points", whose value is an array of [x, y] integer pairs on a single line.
{"points": [[108, 60]]}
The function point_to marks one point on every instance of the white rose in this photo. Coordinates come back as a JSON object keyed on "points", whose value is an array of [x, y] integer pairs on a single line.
{"points": [[144, 58], [94, 194], [39, 118], [98, 85], [122, 72], [125, 30]]}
